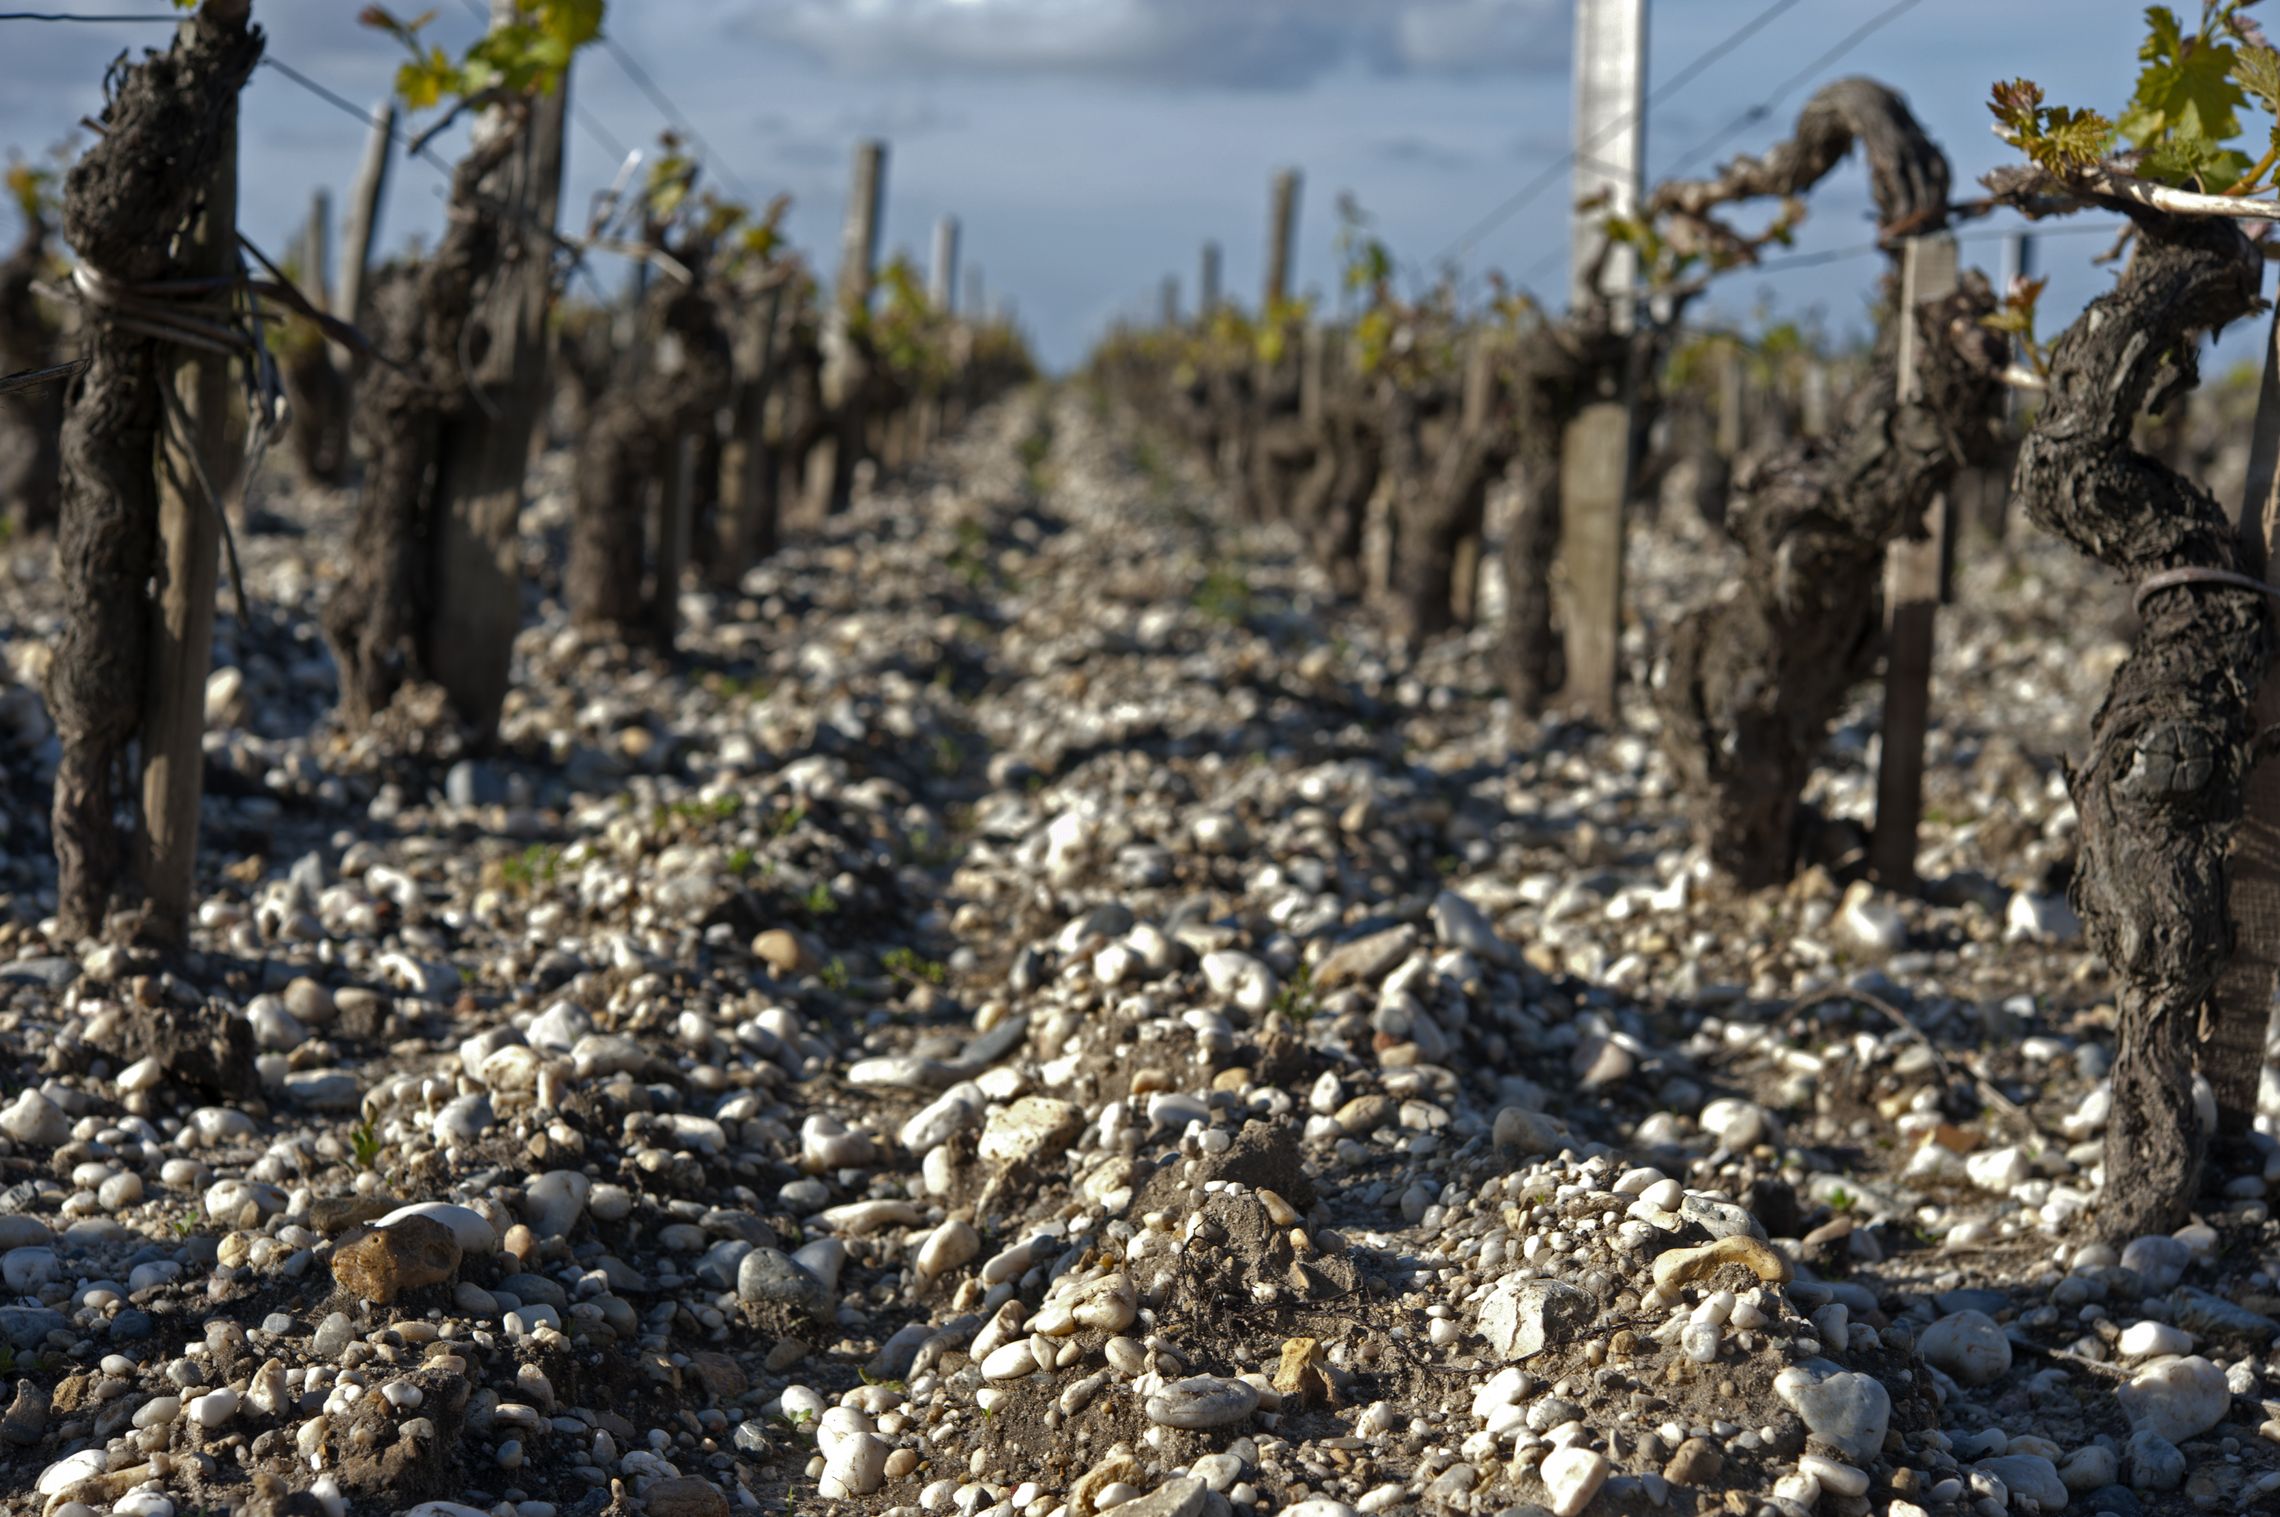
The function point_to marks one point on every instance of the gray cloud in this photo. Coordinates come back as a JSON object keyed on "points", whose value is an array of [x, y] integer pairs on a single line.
{"points": [[1237, 44]]}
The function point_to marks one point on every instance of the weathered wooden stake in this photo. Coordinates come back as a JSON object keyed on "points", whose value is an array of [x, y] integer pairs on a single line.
{"points": [[674, 528], [1916, 577], [478, 567], [1207, 283], [942, 273], [317, 249], [752, 529], [1730, 419], [1168, 301], [1813, 407], [194, 450], [2233, 1059], [1596, 476], [831, 471], [1610, 140], [1610, 88], [1282, 230], [363, 227]]}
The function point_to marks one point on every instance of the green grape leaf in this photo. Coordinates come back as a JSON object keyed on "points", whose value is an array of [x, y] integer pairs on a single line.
{"points": [[428, 78], [2186, 88], [2193, 161], [2256, 69]]}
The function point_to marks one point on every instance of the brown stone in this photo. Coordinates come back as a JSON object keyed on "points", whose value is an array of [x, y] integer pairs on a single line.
{"points": [[685, 1496], [382, 1264], [722, 1377], [1681, 1266], [786, 952], [1697, 1462]]}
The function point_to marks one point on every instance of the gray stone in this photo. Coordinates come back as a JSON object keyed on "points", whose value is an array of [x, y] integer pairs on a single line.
{"points": [[26, 1327], [2028, 1475], [2155, 1463], [1202, 1401], [768, 1276], [1847, 1410], [1524, 1134], [1522, 1318], [2158, 1259], [1967, 1345], [1185, 1497], [50, 972], [1722, 1219], [2212, 1316]]}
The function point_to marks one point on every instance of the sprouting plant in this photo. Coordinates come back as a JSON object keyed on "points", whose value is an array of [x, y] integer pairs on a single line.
{"points": [[1842, 1200], [785, 823], [536, 866], [818, 900], [834, 975], [1224, 595], [909, 964], [527, 56], [949, 757], [740, 862], [1297, 999], [364, 1145]]}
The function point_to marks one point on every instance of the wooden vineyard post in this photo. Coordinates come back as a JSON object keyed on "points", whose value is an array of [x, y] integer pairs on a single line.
{"points": [[1916, 576], [317, 248], [194, 452], [831, 469], [1813, 404], [1476, 406], [1282, 229], [757, 532], [1595, 476], [1168, 302], [1207, 284], [1610, 143], [1730, 409], [2233, 1058], [676, 522], [363, 227], [942, 272], [942, 294]]}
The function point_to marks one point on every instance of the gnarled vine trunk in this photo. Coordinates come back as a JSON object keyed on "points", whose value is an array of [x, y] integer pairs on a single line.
{"points": [[432, 596], [168, 120], [626, 462], [2160, 789], [1754, 676]]}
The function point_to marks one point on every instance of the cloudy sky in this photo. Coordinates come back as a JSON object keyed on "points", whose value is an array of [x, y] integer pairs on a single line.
{"points": [[1090, 146]]}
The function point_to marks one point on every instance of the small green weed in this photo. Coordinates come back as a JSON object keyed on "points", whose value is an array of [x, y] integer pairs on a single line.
{"points": [[909, 964], [364, 1145], [536, 866], [818, 900], [1224, 595]]}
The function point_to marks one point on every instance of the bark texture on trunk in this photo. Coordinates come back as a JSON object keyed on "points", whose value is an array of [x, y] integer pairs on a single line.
{"points": [[31, 459], [626, 459], [424, 319], [1755, 674], [316, 393], [2160, 790], [166, 120]]}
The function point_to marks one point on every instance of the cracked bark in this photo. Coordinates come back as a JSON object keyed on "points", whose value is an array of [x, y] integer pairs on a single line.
{"points": [[2159, 790], [166, 119], [1754, 675], [625, 461]]}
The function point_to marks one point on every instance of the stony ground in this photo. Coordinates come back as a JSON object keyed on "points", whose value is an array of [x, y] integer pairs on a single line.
{"points": [[1042, 1013]]}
